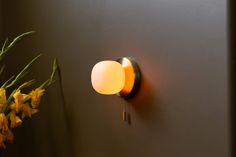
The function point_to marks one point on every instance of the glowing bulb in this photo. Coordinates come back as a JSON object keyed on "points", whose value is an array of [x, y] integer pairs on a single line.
{"points": [[108, 77], [121, 77]]}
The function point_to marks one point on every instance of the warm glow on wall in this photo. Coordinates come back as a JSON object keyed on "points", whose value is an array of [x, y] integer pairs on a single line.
{"points": [[121, 77]]}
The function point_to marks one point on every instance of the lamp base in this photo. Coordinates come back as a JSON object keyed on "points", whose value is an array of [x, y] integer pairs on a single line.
{"points": [[132, 77]]}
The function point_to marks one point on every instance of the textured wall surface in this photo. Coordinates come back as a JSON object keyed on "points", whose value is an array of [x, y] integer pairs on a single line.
{"points": [[182, 108]]}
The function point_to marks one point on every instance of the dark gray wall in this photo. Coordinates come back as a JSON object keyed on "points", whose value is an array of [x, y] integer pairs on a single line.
{"points": [[1, 20], [181, 47]]}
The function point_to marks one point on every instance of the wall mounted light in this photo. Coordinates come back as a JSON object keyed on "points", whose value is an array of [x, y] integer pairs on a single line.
{"points": [[121, 77]]}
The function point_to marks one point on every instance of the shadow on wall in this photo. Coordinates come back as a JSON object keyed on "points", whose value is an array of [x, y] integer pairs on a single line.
{"points": [[66, 126], [143, 103]]}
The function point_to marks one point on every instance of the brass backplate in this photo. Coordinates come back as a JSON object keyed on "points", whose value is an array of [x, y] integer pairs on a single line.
{"points": [[132, 77]]}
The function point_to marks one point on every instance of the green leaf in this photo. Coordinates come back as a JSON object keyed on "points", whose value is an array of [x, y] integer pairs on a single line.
{"points": [[26, 84], [52, 79], [10, 98], [7, 82], [23, 72], [6, 48], [2, 69], [19, 38]]}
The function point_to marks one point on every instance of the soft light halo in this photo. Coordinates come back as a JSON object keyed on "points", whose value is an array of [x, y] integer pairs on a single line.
{"points": [[108, 77]]}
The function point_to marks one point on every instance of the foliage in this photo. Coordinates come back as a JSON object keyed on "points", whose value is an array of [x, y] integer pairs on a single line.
{"points": [[17, 105]]}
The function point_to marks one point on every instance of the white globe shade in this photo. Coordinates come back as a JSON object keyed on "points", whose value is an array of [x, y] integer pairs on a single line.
{"points": [[108, 77]]}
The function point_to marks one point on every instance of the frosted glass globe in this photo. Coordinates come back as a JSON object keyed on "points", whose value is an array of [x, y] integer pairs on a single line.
{"points": [[108, 77]]}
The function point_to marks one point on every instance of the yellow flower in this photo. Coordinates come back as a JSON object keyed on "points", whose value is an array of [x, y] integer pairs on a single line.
{"points": [[8, 135], [2, 140], [19, 100], [3, 122], [3, 99], [28, 111], [15, 120], [35, 96]]}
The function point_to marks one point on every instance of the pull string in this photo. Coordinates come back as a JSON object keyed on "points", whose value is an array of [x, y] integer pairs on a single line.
{"points": [[126, 112]]}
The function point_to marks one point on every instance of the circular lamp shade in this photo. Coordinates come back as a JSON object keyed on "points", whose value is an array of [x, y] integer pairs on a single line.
{"points": [[108, 77]]}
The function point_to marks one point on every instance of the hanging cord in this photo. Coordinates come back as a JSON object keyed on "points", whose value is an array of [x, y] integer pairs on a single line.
{"points": [[126, 113]]}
